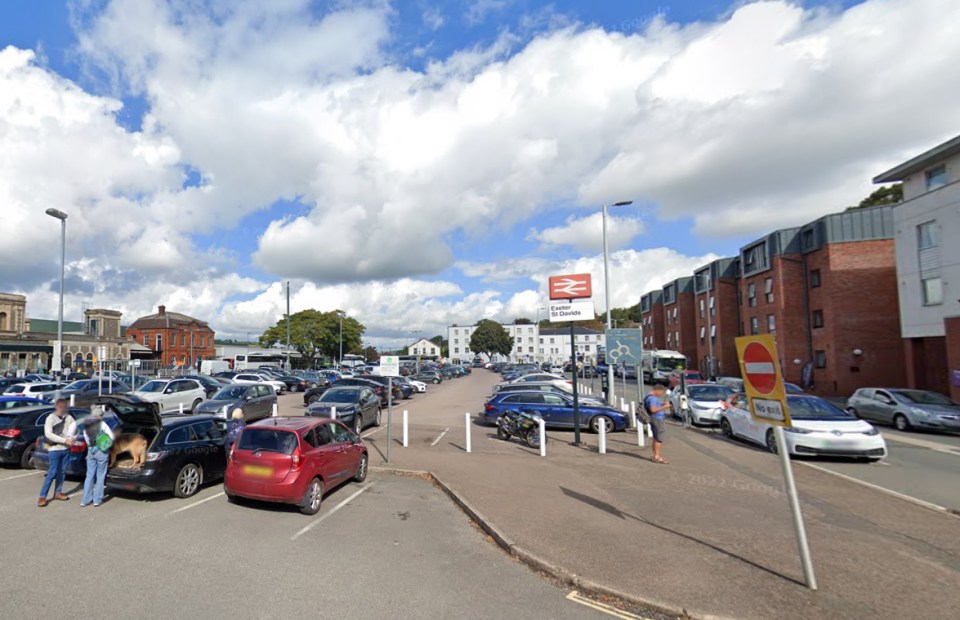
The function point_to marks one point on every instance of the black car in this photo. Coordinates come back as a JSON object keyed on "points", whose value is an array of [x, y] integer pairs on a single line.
{"points": [[294, 384], [379, 390], [398, 391], [19, 430], [183, 452], [348, 402]]}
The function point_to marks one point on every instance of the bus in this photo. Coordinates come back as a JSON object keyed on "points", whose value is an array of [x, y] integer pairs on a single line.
{"points": [[256, 359], [351, 361]]}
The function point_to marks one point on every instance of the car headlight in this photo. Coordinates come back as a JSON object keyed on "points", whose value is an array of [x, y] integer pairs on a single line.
{"points": [[794, 429], [872, 431], [918, 411]]}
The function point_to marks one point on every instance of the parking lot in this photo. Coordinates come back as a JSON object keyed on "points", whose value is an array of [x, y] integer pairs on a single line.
{"points": [[394, 546]]}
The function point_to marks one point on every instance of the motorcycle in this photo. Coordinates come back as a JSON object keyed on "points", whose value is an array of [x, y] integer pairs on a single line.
{"points": [[522, 424]]}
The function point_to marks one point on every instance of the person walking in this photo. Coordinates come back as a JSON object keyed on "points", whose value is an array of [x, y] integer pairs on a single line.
{"points": [[235, 427], [657, 406], [58, 429], [99, 438]]}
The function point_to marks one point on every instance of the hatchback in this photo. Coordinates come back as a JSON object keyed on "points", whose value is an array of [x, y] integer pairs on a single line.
{"points": [[294, 461], [19, 430], [906, 409]]}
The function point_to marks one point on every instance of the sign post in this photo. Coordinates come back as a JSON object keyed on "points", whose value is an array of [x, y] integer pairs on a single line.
{"points": [[570, 300], [390, 368], [763, 382]]}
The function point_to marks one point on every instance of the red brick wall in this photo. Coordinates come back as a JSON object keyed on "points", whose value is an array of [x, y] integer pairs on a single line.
{"points": [[171, 343], [790, 326], [952, 326], [726, 321], [655, 331], [686, 324]]}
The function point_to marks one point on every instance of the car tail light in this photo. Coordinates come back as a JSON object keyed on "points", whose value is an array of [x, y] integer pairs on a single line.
{"points": [[78, 446], [489, 408], [297, 459], [10, 432]]}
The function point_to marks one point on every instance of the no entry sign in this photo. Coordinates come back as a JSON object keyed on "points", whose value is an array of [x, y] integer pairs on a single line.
{"points": [[759, 368], [762, 380]]}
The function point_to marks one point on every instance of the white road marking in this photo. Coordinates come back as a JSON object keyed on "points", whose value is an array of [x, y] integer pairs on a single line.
{"points": [[318, 521], [197, 503], [602, 607], [439, 437], [373, 432], [923, 443], [33, 473], [877, 487]]}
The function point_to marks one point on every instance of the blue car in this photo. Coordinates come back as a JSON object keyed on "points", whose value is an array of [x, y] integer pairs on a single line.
{"points": [[76, 463], [15, 402], [555, 409]]}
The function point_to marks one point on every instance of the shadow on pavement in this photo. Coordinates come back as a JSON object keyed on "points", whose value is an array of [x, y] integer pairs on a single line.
{"points": [[616, 512]]}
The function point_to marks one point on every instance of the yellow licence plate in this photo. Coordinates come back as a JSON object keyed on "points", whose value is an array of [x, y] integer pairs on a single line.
{"points": [[257, 470]]}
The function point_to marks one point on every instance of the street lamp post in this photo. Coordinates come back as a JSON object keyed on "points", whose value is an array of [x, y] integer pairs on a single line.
{"points": [[340, 361], [56, 363], [611, 397]]}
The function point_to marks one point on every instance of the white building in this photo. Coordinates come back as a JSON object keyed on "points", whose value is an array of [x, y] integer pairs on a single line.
{"points": [[927, 227], [531, 343], [424, 348]]}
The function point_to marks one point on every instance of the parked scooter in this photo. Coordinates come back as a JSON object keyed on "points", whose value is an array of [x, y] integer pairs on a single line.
{"points": [[523, 424]]}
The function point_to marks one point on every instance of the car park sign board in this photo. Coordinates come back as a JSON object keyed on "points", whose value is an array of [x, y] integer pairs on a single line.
{"points": [[573, 286], [389, 366], [762, 379], [624, 347]]}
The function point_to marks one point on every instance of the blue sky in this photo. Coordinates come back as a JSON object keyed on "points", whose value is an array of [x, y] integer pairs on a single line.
{"points": [[687, 133]]}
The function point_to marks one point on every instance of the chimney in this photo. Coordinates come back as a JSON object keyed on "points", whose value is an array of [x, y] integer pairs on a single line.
{"points": [[162, 310]]}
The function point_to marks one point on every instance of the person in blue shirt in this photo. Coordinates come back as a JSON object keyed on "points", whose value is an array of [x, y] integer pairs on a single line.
{"points": [[235, 427], [657, 406]]}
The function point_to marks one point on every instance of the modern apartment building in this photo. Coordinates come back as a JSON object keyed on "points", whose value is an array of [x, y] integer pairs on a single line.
{"points": [[679, 320], [928, 266], [651, 320], [717, 316]]}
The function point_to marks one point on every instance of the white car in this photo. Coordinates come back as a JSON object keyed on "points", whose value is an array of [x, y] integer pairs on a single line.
{"points": [[818, 429], [249, 377], [419, 386], [32, 390], [543, 377], [706, 401], [170, 394]]}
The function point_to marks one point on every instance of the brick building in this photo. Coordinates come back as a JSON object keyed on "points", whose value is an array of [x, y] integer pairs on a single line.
{"points": [[679, 320], [827, 291], [928, 266], [175, 339], [716, 295], [651, 320]]}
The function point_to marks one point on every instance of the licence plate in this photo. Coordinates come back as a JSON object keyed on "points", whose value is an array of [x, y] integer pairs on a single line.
{"points": [[838, 444], [258, 471]]}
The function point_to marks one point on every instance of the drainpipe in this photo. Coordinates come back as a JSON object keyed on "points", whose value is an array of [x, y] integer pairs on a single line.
{"points": [[806, 301]]}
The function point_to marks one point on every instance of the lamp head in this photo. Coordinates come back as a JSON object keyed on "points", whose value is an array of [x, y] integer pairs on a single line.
{"points": [[57, 213]]}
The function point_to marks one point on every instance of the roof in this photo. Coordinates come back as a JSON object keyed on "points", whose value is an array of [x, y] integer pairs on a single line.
{"points": [[920, 162], [49, 326], [165, 320]]}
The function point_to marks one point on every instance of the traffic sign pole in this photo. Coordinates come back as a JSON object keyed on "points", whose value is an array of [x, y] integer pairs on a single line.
{"points": [[576, 397], [805, 560]]}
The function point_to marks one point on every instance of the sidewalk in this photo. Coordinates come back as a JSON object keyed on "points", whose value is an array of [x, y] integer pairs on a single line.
{"points": [[709, 533]]}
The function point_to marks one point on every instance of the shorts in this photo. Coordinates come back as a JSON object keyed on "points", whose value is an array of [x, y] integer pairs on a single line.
{"points": [[659, 426]]}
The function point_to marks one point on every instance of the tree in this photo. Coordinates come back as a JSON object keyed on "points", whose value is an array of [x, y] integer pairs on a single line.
{"points": [[886, 195], [522, 320], [314, 333], [370, 354], [490, 337]]}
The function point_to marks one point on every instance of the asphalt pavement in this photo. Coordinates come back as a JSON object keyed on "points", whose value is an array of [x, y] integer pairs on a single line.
{"points": [[391, 547]]}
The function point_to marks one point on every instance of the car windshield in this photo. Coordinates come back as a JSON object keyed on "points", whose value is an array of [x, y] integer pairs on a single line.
{"points": [[792, 388], [77, 385], [233, 392], [340, 395], [153, 386], [813, 408], [267, 440], [668, 363], [696, 376], [709, 392], [922, 397]]}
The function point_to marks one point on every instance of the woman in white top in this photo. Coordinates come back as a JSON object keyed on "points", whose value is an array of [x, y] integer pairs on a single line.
{"points": [[98, 455]]}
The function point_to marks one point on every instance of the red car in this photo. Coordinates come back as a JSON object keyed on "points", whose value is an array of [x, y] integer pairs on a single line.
{"points": [[692, 377], [294, 461]]}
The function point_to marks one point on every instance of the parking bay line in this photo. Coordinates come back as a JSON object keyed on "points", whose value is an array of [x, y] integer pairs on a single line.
{"points": [[877, 487], [439, 437], [196, 503], [576, 597], [318, 521], [32, 473]]}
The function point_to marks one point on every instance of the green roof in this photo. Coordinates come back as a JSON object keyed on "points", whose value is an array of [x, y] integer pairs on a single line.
{"points": [[49, 326]]}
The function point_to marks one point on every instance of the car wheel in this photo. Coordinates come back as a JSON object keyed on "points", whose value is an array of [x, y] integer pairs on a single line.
{"points": [[725, 429], [436, 381], [901, 423], [361, 468], [377, 420], [196, 403], [312, 399], [188, 481], [772, 442], [312, 498], [596, 421], [357, 423], [26, 459], [294, 388]]}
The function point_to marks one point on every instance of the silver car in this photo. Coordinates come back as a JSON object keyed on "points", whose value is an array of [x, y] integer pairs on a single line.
{"points": [[705, 401], [906, 409]]}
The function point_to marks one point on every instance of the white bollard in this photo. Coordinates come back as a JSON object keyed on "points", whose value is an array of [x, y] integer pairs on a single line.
{"points": [[406, 429], [603, 437], [633, 414], [274, 411], [181, 408], [640, 434], [543, 437], [333, 413], [466, 418], [73, 400], [623, 403]]}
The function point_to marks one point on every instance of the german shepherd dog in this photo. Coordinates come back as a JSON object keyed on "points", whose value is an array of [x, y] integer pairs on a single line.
{"points": [[133, 443]]}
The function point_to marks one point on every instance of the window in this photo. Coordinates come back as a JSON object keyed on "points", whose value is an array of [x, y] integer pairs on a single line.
{"points": [[146, 340], [771, 323], [456, 349], [713, 306], [676, 336], [815, 278], [807, 239], [817, 318], [752, 295], [551, 341], [936, 177], [768, 289], [932, 289], [159, 342], [701, 308], [519, 339], [754, 326], [820, 359], [203, 342], [183, 339], [703, 334], [755, 258], [674, 314], [184, 434], [928, 235]]}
